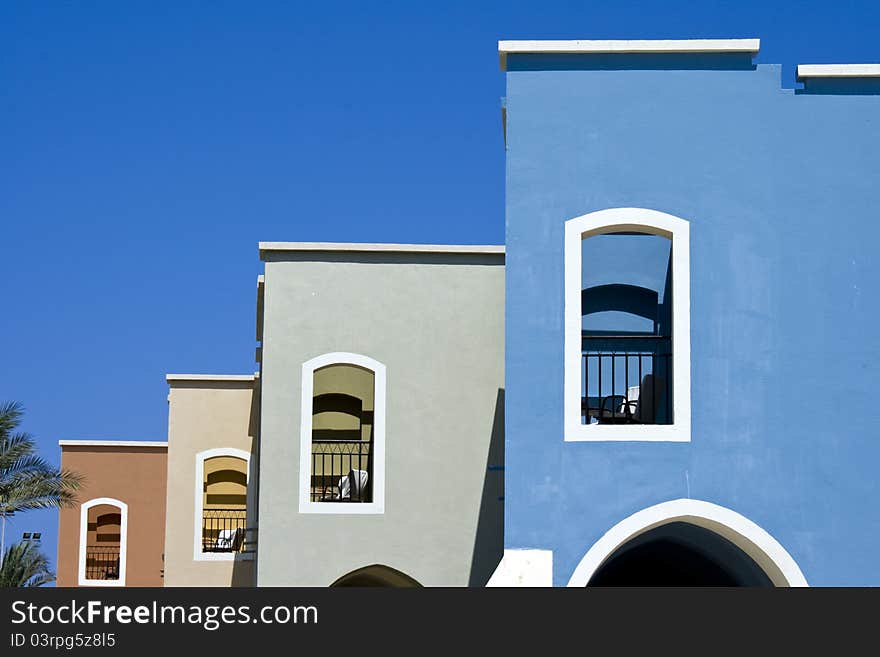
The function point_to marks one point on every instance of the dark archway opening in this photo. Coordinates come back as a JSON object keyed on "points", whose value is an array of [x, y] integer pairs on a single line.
{"points": [[679, 554], [377, 575]]}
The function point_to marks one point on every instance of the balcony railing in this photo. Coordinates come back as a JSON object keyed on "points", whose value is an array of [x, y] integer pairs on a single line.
{"points": [[102, 562], [626, 379], [224, 530], [342, 471]]}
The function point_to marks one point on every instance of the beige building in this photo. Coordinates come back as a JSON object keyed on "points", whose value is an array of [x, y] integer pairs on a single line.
{"points": [[210, 537]]}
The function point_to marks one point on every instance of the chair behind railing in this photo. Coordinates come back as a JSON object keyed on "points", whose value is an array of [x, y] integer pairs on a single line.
{"points": [[223, 530]]}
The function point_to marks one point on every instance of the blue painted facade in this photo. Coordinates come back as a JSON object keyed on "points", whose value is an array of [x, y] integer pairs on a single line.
{"points": [[781, 189]]}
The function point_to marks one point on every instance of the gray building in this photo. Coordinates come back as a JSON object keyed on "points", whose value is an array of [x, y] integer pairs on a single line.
{"points": [[381, 415]]}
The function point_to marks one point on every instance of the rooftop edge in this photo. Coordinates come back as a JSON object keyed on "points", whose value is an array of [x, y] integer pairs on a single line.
{"points": [[355, 247], [838, 71], [624, 46], [170, 378], [113, 443]]}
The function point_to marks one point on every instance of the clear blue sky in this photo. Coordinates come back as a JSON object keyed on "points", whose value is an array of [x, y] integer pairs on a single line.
{"points": [[145, 149]]}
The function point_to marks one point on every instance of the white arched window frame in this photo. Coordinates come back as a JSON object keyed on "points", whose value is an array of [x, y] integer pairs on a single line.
{"points": [[650, 222], [308, 371], [84, 535], [201, 457]]}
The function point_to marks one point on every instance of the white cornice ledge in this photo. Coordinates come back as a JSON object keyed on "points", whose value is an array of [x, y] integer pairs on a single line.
{"points": [[838, 71], [113, 443], [355, 247], [171, 378], [626, 46]]}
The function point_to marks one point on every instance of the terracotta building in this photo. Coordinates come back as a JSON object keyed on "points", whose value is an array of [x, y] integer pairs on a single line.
{"points": [[115, 536]]}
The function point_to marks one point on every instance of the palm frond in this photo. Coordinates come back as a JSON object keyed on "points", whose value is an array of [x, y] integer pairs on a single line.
{"points": [[35, 492], [14, 447], [27, 481], [40, 489], [24, 466], [25, 566], [10, 416]]}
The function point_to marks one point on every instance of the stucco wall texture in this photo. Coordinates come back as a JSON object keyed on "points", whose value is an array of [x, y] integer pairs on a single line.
{"points": [[436, 322], [780, 189]]}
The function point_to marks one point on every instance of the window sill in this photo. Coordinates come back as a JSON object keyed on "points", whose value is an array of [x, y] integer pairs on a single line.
{"points": [[223, 556], [659, 433], [342, 508], [101, 582]]}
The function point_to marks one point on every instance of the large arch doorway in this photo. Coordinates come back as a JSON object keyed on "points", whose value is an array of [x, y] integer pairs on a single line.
{"points": [[679, 554], [377, 575], [687, 543]]}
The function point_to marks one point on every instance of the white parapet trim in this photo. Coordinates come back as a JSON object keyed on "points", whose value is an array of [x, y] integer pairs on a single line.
{"points": [[626, 46], [838, 71], [113, 443], [171, 378], [523, 568], [355, 247]]}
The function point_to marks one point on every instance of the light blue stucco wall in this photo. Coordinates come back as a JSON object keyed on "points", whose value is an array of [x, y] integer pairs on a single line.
{"points": [[781, 190]]}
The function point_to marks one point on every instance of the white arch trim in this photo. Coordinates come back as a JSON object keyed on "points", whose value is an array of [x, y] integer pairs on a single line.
{"points": [[651, 222], [308, 371], [84, 535], [766, 551], [201, 457]]}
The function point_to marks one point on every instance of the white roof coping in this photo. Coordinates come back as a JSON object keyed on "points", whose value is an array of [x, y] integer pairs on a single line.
{"points": [[170, 378], [621, 46], [113, 443], [355, 247], [838, 71]]}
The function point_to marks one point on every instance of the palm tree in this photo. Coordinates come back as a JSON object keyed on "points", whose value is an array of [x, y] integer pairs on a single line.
{"points": [[26, 480], [25, 565]]}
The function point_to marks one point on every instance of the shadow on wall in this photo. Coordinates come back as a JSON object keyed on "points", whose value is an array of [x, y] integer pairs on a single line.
{"points": [[489, 540], [244, 571], [631, 62], [845, 87]]}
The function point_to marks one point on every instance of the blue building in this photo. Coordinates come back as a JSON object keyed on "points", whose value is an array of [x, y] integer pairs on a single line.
{"points": [[672, 361], [691, 353]]}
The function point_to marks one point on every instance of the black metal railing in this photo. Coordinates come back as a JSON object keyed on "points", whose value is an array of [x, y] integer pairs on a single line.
{"points": [[626, 379], [342, 470], [224, 530], [102, 562]]}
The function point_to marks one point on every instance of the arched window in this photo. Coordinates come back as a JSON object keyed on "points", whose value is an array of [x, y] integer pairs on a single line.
{"points": [[627, 326], [342, 456], [103, 542], [221, 504]]}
